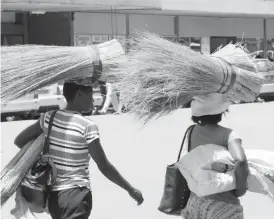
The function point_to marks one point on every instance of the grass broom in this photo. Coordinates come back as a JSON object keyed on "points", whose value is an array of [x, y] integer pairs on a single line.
{"points": [[14, 172], [158, 76], [26, 68]]}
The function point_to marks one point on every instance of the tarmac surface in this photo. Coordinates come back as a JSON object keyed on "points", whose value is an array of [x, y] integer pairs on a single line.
{"points": [[142, 153]]}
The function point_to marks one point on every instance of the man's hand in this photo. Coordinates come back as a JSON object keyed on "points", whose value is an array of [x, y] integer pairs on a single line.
{"points": [[136, 195]]}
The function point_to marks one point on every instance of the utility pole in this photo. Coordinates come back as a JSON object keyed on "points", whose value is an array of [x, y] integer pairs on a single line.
{"points": [[265, 39]]}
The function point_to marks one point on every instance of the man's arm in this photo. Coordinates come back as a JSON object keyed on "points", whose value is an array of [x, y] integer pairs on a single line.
{"points": [[109, 171], [241, 166], [28, 134]]}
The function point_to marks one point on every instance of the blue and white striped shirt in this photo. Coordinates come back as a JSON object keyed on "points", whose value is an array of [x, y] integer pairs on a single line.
{"points": [[69, 138]]}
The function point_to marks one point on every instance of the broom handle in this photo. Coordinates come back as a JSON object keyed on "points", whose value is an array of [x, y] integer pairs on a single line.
{"points": [[190, 128], [46, 145]]}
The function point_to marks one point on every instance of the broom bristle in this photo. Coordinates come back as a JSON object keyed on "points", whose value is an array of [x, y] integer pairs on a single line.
{"points": [[26, 68], [236, 55], [159, 76], [14, 172]]}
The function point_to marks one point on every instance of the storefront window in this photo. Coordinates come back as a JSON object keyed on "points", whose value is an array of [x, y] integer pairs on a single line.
{"points": [[86, 39], [121, 39], [97, 39], [193, 42], [256, 46], [252, 44], [82, 39], [170, 38]]}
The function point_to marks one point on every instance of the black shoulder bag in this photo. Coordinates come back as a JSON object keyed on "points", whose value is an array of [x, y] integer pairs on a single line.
{"points": [[176, 191], [37, 183]]}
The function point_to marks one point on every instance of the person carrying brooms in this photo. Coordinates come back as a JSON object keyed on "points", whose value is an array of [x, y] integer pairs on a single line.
{"points": [[73, 139]]}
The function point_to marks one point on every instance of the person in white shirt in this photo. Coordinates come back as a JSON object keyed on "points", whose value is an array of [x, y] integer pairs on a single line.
{"points": [[109, 97]]}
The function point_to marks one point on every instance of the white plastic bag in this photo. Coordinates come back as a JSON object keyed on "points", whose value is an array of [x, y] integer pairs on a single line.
{"points": [[196, 168], [21, 210]]}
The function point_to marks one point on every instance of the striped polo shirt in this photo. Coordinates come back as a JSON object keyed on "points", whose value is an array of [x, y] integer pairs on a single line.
{"points": [[69, 138]]}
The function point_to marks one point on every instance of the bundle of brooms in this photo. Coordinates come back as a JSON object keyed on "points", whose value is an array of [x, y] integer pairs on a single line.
{"points": [[159, 76], [26, 68], [14, 172]]}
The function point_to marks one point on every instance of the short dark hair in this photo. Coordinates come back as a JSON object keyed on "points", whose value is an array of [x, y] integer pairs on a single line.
{"points": [[70, 89], [208, 119]]}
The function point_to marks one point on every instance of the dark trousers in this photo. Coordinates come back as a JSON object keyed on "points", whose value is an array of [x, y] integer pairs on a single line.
{"points": [[75, 203]]}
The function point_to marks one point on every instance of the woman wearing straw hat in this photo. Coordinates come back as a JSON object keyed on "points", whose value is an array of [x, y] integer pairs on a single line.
{"points": [[72, 139], [207, 112]]}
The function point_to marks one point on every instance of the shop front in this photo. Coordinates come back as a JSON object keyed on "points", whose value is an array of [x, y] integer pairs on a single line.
{"points": [[204, 34]]}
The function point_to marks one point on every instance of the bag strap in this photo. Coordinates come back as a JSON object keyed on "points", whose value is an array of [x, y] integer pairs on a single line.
{"points": [[46, 145], [190, 128]]}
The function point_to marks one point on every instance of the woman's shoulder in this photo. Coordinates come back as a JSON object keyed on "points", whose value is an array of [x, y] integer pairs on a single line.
{"points": [[229, 134], [216, 128], [225, 129]]}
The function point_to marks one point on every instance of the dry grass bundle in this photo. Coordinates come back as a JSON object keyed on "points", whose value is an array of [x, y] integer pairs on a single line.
{"points": [[26, 68], [160, 76], [237, 55], [16, 169]]}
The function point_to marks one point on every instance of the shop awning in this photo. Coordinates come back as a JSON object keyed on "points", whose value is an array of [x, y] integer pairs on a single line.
{"points": [[221, 8], [78, 5]]}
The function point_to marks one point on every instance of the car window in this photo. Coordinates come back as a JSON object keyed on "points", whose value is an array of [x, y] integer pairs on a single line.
{"points": [[43, 91]]}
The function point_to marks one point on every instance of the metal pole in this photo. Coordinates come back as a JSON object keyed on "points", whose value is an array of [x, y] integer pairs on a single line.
{"points": [[127, 31], [265, 39], [71, 24], [176, 29], [26, 27]]}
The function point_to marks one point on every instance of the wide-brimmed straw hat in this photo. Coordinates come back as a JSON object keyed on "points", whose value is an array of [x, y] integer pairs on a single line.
{"points": [[209, 104]]}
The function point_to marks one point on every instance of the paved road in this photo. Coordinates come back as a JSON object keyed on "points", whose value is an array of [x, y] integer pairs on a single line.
{"points": [[142, 153]]}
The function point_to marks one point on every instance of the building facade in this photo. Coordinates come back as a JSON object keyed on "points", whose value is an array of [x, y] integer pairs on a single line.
{"points": [[204, 34]]}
